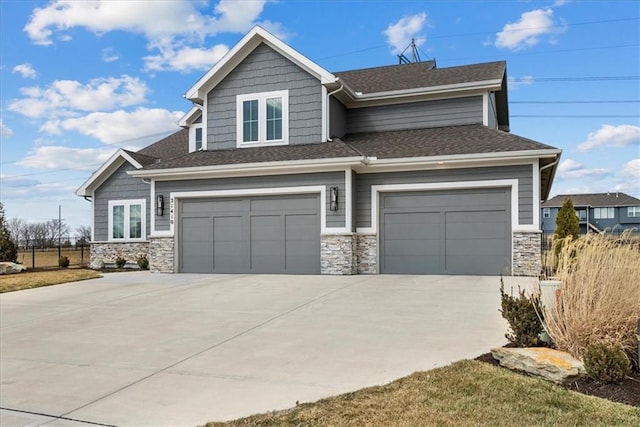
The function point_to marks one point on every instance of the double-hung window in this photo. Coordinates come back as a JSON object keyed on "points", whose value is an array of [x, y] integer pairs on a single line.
{"points": [[633, 211], [546, 212], [603, 213], [263, 118], [127, 220]]}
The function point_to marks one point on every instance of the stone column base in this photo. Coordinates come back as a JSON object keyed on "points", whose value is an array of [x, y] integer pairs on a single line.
{"points": [[161, 255], [527, 254], [338, 254], [367, 253]]}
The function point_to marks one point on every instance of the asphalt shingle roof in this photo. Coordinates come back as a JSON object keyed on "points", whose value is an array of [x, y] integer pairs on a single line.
{"points": [[440, 141], [611, 199], [174, 145], [418, 75], [143, 159]]}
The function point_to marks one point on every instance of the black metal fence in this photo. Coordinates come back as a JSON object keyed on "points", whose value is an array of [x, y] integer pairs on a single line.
{"points": [[38, 257]]}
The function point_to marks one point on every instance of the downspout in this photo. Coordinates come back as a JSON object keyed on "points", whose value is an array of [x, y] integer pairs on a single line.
{"points": [[328, 112]]}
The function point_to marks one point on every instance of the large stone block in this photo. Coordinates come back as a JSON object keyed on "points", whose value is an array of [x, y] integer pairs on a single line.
{"points": [[11, 268], [553, 365]]}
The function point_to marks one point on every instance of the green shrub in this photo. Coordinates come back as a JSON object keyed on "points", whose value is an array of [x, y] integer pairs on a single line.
{"points": [[567, 224], [143, 262], [606, 363], [63, 262], [521, 312], [8, 251], [120, 262]]}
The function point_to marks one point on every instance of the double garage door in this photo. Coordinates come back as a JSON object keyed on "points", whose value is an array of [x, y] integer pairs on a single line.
{"points": [[445, 232], [250, 235]]}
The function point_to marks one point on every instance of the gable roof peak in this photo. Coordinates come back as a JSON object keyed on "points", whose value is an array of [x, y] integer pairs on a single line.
{"points": [[241, 50]]}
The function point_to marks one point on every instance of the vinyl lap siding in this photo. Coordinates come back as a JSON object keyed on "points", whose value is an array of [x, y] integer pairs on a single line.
{"points": [[264, 70], [119, 186], [330, 179], [523, 173], [414, 115]]}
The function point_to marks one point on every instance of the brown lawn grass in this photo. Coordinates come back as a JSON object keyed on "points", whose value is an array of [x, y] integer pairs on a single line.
{"points": [[466, 393], [36, 279], [49, 257]]}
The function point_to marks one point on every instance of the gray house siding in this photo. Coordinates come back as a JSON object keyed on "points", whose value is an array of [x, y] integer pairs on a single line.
{"points": [[523, 173], [493, 114], [620, 221], [119, 186], [337, 118], [264, 70], [444, 112], [329, 179]]}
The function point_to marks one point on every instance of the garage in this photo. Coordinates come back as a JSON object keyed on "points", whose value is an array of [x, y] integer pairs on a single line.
{"points": [[446, 232], [275, 234]]}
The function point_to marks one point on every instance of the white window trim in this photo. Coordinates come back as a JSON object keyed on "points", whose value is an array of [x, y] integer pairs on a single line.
{"points": [[635, 210], [127, 204], [192, 137], [597, 213], [262, 118], [546, 212]]}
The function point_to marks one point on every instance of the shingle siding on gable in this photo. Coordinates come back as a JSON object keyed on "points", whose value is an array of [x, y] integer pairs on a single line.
{"points": [[414, 115], [119, 186], [523, 173], [265, 70]]}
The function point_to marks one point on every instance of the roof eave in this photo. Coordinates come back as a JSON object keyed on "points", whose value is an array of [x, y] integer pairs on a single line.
{"points": [[102, 173]]}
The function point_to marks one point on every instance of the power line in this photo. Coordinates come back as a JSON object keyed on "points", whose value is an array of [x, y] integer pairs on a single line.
{"points": [[577, 116], [625, 101], [572, 79]]}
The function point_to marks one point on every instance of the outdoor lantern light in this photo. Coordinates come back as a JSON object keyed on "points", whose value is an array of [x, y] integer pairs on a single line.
{"points": [[160, 205], [333, 198]]}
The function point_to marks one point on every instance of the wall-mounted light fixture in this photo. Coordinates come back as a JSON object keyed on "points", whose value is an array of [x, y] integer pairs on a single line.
{"points": [[333, 199], [160, 205]]}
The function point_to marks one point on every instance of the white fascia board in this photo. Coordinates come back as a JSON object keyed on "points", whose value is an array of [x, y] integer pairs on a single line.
{"points": [[373, 165], [249, 169], [241, 50], [190, 116], [465, 89], [107, 168]]}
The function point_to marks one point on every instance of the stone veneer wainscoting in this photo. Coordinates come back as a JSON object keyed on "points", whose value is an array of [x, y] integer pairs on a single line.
{"points": [[527, 253], [367, 253], [161, 255], [338, 254], [107, 252]]}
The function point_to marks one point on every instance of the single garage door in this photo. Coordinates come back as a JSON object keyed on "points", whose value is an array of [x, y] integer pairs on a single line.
{"points": [[250, 235], [446, 232]]}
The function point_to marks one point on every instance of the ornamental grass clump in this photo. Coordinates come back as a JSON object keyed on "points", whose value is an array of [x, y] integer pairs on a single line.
{"points": [[599, 298]]}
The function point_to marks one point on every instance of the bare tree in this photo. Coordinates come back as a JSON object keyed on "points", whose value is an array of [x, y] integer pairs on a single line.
{"points": [[83, 234], [15, 226], [56, 230]]}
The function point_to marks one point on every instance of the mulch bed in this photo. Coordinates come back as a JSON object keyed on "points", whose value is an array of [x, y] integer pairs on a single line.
{"points": [[628, 392]]}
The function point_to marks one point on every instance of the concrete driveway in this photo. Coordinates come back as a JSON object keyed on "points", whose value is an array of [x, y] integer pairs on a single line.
{"points": [[151, 349]]}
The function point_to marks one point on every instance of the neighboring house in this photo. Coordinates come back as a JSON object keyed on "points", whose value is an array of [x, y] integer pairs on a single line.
{"points": [[608, 212], [284, 167]]}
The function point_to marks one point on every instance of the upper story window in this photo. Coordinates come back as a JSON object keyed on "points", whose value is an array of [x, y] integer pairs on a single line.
{"points": [[546, 213], [581, 214], [633, 211], [195, 137], [127, 220], [263, 118], [603, 213]]}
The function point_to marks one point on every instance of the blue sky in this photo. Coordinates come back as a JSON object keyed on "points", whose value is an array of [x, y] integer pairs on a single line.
{"points": [[79, 79]]}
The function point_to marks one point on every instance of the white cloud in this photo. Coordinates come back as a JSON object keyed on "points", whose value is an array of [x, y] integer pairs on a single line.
{"points": [[632, 169], [25, 70], [168, 26], [64, 97], [611, 136], [527, 31], [58, 157], [5, 131], [119, 127], [185, 59], [516, 82], [399, 34], [570, 169], [109, 54]]}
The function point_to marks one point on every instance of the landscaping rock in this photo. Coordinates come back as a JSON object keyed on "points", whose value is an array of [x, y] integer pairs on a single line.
{"points": [[97, 264], [553, 365], [11, 268]]}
